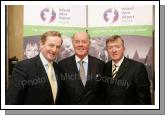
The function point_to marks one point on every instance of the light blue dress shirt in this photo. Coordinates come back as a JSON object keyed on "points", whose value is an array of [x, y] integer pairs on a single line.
{"points": [[85, 64]]}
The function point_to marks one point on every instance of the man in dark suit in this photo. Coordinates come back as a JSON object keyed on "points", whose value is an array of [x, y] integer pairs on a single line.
{"points": [[126, 80], [81, 83], [35, 81]]}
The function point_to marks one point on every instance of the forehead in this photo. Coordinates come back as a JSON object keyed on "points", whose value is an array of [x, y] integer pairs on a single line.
{"points": [[53, 39], [81, 36], [115, 42]]}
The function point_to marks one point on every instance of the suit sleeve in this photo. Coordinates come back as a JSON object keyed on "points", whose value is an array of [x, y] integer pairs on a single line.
{"points": [[18, 82], [142, 86], [102, 89]]}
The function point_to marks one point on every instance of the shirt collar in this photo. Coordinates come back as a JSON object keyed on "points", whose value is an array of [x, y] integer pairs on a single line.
{"points": [[119, 63], [85, 59], [44, 60]]}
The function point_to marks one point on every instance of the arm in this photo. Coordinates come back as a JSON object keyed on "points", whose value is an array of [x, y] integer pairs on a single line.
{"points": [[142, 86], [15, 92], [102, 84]]}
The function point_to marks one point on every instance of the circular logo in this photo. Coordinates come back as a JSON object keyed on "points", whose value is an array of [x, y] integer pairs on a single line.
{"points": [[111, 15], [48, 15]]}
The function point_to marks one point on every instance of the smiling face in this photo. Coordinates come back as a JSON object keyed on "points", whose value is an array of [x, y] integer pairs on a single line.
{"points": [[81, 44], [115, 49], [50, 48]]}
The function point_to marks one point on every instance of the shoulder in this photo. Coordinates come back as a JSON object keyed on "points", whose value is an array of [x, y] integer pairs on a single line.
{"points": [[27, 62], [94, 59], [135, 64], [108, 63], [66, 60]]}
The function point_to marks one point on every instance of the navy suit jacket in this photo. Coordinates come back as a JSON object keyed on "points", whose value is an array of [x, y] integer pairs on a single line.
{"points": [[73, 91], [29, 84], [131, 85]]}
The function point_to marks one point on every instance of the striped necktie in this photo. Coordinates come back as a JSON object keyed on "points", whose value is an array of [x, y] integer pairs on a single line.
{"points": [[114, 71]]}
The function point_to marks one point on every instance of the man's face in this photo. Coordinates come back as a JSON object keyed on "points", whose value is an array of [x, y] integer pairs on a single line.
{"points": [[81, 44], [50, 48], [115, 50]]}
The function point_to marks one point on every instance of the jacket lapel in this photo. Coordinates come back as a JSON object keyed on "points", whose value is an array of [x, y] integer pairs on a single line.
{"points": [[91, 72], [122, 69], [74, 70], [73, 65], [108, 69], [40, 68], [42, 74], [56, 70]]}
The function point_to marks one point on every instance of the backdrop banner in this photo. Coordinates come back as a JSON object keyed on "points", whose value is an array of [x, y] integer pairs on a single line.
{"points": [[133, 22]]}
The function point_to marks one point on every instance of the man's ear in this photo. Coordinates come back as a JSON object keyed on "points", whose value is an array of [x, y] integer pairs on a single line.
{"points": [[72, 42], [124, 49], [89, 43]]}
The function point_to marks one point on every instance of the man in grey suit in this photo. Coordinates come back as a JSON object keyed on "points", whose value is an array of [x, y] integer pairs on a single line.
{"points": [[81, 83], [35, 81]]}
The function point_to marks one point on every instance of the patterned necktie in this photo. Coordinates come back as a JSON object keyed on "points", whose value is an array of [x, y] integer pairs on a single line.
{"points": [[114, 71], [52, 80], [82, 72]]}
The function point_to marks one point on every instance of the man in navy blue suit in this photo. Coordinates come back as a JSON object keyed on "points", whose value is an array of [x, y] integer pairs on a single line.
{"points": [[81, 84], [35, 81], [126, 80]]}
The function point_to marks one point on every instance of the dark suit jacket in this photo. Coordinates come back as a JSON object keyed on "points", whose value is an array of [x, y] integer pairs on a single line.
{"points": [[29, 84], [73, 91], [131, 84]]}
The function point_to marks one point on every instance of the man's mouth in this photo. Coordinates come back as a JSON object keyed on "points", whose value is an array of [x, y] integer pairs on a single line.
{"points": [[114, 54], [81, 49], [52, 54]]}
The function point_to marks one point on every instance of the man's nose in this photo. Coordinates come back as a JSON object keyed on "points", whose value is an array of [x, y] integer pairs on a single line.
{"points": [[114, 49], [54, 49], [80, 43]]}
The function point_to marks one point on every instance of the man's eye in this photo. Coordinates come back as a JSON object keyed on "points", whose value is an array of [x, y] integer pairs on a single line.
{"points": [[76, 41], [51, 45], [58, 47]]}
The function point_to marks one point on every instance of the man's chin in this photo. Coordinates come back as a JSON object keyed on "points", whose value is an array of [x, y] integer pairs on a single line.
{"points": [[52, 59], [81, 55], [114, 59]]}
